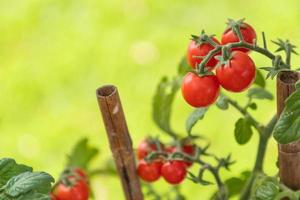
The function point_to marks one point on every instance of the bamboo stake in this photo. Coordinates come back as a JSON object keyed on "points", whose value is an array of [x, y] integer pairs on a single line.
{"points": [[120, 141], [288, 154]]}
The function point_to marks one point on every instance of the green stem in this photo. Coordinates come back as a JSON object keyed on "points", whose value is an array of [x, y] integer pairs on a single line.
{"points": [[244, 112], [241, 44], [288, 57], [265, 135], [264, 40], [222, 189]]}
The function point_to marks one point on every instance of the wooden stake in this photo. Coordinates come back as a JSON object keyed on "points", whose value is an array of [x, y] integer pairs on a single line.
{"points": [[120, 141], [288, 154]]}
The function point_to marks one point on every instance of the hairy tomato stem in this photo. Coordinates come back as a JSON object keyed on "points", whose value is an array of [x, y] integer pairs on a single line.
{"points": [[240, 44], [244, 112], [265, 135]]}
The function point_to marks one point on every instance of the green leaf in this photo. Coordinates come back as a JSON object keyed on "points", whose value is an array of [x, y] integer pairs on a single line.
{"points": [[234, 185], [39, 182], [162, 103], [196, 115], [34, 196], [260, 80], [287, 128], [242, 131], [253, 106], [82, 154], [267, 191], [222, 102], [259, 93], [9, 168]]}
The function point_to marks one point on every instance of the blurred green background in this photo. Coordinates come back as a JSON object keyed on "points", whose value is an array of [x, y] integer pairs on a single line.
{"points": [[55, 53]]}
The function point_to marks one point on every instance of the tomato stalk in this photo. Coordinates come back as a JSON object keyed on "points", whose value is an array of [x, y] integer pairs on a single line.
{"points": [[264, 131], [244, 112], [214, 170], [254, 47], [265, 135]]}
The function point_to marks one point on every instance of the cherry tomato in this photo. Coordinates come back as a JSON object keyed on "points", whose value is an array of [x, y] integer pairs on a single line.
{"points": [[200, 91], [145, 147], [174, 171], [79, 191], [200, 50], [149, 172], [238, 74], [247, 32], [190, 150], [73, 186]]}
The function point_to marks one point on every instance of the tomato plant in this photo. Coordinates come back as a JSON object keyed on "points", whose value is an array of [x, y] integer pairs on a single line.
{"points": [[235, 71]]}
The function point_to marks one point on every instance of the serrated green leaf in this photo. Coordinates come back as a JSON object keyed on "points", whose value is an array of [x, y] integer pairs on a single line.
{"points": [[259, 93], [34, 196], [222, 102], [162, 103], [196, 115], [82, 154], [9, 168], [260, 80], [287, 128], [267, 191], [234, 185], [242, 131], [39, 182]]}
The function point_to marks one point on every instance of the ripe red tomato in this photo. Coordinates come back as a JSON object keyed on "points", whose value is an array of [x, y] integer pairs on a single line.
{"points": [[190, 150], [238, 74], [145, 147], [79, 191], [77, 188], [149, 172], [200, 50], [174, 171], [200, 91], [247, 32]]}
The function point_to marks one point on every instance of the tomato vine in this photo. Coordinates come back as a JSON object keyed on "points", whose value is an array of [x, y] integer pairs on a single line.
{"points": [[250, 184]]}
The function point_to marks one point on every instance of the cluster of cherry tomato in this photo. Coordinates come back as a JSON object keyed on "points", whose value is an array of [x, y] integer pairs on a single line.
{"points": [[234, 75], [73, 185], [172, 170]]}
